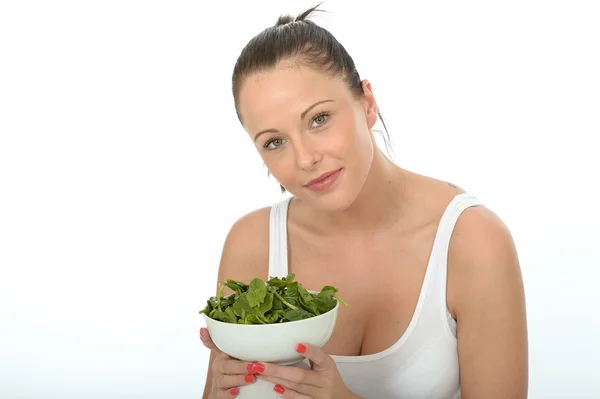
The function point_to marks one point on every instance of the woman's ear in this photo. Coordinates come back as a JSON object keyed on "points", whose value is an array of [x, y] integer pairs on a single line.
{"points": [[369, 103]]}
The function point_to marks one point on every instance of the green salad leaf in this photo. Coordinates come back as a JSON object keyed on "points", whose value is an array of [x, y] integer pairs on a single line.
{"points": [[277, 300]]}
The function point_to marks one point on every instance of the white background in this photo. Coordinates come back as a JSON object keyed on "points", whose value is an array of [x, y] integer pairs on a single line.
{"points": [[123, 166]]}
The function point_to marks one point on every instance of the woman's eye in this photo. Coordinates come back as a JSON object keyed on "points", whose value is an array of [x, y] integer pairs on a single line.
{"points": [[273, 143], [320, 119]]}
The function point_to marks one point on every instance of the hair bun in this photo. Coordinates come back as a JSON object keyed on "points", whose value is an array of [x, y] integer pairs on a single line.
{"points": [[284, 20], [287, 19]]}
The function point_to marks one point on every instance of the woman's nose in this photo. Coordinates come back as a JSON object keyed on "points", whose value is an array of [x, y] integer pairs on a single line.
{"points": [[307, 156]]}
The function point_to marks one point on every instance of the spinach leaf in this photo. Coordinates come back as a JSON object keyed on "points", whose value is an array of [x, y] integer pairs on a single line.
{"points": [[307, 301], [300, 314], [326, 299], [277, 300], [257, 292]]}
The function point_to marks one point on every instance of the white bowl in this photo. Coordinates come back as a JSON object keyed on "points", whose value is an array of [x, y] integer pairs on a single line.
{"points": [[273, 343]]}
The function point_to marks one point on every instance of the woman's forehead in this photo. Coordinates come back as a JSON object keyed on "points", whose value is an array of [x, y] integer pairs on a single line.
{"points": [[286, 90]]}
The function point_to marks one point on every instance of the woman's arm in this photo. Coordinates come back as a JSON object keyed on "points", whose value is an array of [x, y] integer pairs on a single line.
{"points": [[243, 259], [486, 295]]}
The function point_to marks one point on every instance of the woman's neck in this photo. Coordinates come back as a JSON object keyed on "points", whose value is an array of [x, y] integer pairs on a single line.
{"points": [[380, 202]]}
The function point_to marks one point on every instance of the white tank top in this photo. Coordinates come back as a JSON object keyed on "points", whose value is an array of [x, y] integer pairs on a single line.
{"points": [[423, 363]]}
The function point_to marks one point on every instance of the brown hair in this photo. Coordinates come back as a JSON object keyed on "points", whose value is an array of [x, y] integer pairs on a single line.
{"points": [[307, 44]]}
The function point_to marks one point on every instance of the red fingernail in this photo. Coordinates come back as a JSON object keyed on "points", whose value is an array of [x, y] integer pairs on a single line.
{"points": [[257, 368], [249, 378], [301, 348], [250, 368], [233, 391], [279, 389]]}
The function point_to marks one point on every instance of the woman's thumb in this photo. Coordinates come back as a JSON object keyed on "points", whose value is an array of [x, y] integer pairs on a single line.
{"points": [[206, 340]]}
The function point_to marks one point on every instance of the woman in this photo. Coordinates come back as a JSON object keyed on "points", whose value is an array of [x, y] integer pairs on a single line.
{"points": [[432, 277]]}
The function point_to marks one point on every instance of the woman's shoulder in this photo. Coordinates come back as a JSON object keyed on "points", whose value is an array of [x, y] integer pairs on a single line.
{"points": [[255, 222], [479, 233], [482, 254], [481, 246], [249, 231], [245, 253]]}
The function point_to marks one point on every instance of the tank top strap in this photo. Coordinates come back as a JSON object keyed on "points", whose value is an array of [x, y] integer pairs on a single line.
{"points": [[278, 248], [446, 226], [439, 255]]}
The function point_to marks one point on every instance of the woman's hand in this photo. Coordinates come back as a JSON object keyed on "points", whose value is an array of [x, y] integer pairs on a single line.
{"points": [[323, 381], [228, 374]]}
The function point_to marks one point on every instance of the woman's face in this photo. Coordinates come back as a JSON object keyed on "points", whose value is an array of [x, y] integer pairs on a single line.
{"points": [[312, 133]]}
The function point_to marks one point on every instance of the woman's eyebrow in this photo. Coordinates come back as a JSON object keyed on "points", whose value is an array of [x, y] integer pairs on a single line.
{"points": [[301, 117]]}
